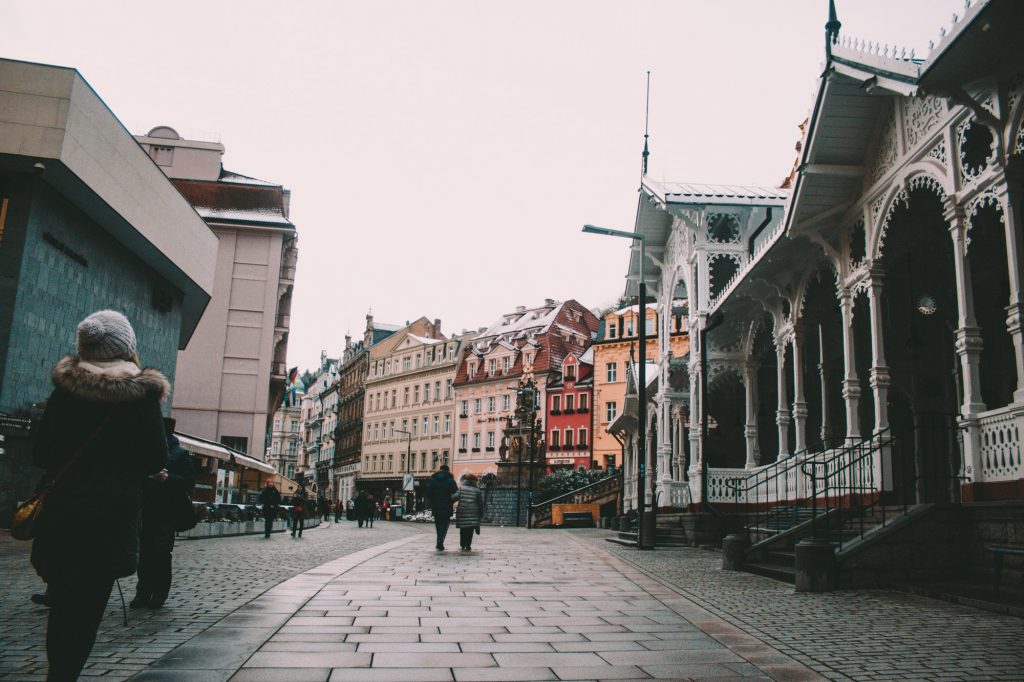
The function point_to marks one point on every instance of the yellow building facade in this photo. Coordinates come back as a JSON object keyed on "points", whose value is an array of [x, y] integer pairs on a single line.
{"points": [[616, 335]]}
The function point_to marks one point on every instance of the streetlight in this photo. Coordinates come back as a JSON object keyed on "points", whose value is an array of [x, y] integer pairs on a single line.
{"points": [[643, 542], [408, 466]]}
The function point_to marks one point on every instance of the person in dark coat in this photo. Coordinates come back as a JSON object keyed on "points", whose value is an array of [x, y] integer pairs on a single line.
{"points": [[161, 493], [371, 510], [440, 489], [470, 511], [362, 506], [299, 501], [108, 408], [270, 498]]}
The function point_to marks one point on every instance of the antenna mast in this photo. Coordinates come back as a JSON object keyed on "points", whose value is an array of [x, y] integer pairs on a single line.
{"points": [[647, 118]]}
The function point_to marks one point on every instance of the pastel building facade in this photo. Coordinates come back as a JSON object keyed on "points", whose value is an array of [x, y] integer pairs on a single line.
{"points": [[233, 374], [569, 417]]}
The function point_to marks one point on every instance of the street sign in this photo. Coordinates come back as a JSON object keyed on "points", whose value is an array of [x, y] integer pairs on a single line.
{"points": [[408, 482]]}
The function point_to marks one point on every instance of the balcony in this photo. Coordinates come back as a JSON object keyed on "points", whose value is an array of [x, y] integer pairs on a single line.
{"points": [[554, 448], [556, 412], [476, 449], [583, 410], [462, 451], [569, 410], [463, 416], [489, 449]]}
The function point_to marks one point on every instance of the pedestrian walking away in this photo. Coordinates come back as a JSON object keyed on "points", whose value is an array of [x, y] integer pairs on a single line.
{"points": [[270, 498], [362, 506], [299, 502], [338, 507], [163, 495], [470, 510], [371, 510], [440, 489], [104, 411]]}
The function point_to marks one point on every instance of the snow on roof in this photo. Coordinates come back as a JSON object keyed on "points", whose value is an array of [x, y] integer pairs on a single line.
{"points": [[243, 215], [636, 309], [588, 356], [650, 372], [238, 178], [387, 327], [423, 339], [534, 318], [687, 192]]}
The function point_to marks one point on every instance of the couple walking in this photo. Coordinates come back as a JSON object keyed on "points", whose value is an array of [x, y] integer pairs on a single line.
{"points": [[444, 494]]}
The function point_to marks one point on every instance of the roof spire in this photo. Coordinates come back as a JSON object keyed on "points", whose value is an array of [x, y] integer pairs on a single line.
{"points": [[831, 29], [647, 117]]}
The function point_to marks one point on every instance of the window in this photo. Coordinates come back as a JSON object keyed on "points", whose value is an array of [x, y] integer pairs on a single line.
{"points": [[405, 424], [391, 462], [610, 411], [447, 423], [584, 401], [238, 443], [418, 360], [613, 330], [426, 393], [392, 428], [506, 362], [277, 424], [476, 441], [490, 404], [292, 447], [405, 395], [394, 397], [414, 427], [162, 156], [465, 407], [406, 364], [629, 328], [437, 390], [570, 373], [492, 366], [506, 401], [556, 403], [424, 426], [583, 437], [462, 441], [568, 438], [477, 404], [570, 402], [649, 325], [416, 394], [448, 390], [490, 439], [612, 372], [437, 424], [554, 438], [295, 426], [423, 461]]}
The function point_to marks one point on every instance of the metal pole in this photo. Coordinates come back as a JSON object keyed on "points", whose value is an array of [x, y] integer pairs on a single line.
{"points": [[519, 474], [533, 451], [643, 542]]}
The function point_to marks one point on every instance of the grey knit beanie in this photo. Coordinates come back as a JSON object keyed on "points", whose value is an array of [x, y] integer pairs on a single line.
{"points": [[106, 335]]}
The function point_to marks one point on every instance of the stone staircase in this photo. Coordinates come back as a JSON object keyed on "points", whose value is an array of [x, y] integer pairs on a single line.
{"points": [[669, 533]]}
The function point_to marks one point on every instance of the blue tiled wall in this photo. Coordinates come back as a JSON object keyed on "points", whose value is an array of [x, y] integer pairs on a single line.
{"points": [[55, 291]]}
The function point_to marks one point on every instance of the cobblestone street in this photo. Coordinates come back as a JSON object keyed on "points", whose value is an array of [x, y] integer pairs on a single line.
{"points": [[863, 635], [212, 579]]}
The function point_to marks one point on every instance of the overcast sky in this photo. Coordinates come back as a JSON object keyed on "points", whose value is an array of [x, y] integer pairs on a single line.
{"points": [[443, 156]]}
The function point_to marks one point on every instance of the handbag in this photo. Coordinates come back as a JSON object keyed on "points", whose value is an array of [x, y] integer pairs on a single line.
{"points": [[182, 513], [28, 515]]}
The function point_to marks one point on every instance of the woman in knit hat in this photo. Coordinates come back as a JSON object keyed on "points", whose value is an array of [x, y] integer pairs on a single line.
{"points": [[105, 410]]}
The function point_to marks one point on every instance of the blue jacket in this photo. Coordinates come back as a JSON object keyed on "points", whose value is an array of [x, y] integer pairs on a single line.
{"points": [[440, 489]]}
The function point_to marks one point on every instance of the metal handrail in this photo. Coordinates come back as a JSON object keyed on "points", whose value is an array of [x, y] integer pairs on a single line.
{"points": [[555, 500]]}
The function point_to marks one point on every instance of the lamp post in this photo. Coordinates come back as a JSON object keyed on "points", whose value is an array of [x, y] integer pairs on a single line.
{"points": [[408, 466], [643, 541]]}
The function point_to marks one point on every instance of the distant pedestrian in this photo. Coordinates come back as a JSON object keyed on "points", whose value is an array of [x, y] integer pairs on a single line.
{"points": [[299, 501], [362, 507], [104, 414], [371, 510], [338, 507], [470, 511], [270, 498], [440, 488], [163, 493]]}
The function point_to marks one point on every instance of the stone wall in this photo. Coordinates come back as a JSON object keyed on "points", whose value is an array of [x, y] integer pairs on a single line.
{"points": [[500, 506]]}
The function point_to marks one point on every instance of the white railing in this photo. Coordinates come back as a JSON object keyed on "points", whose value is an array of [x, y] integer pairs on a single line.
{"points": [[675, 494], [719, 489], [1000, 455]]}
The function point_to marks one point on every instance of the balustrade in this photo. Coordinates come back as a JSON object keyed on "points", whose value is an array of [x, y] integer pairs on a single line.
{"points": [[1000, 446]]}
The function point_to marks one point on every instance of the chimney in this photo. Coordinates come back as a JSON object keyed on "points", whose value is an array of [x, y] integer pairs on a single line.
{"points": [[437, 327], [549, 301], [520, 308]]}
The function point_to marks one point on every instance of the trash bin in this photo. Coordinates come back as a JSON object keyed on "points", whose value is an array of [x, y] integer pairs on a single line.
{"points": [[396, 512]]}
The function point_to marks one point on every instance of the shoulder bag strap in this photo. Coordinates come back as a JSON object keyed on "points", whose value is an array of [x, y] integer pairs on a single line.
{"points": [[78, 455]]}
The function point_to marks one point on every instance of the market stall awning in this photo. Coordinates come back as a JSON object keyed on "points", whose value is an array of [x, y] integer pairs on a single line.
{"points": [[207, 448]]}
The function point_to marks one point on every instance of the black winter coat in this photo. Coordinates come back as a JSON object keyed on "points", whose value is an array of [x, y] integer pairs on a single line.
{"points": [[160, 499], [440, 489], [91, 520]]}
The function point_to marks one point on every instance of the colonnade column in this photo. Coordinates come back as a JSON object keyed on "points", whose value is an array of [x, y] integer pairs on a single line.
{"points": [[880, 379], [750, 427], [782, 416], [968, 343], [799, 403], [851, 384], [1013, 224]]}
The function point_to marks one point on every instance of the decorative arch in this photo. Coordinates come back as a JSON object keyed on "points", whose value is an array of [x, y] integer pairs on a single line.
{"points": [[983, 200], [720, 275], [808, 277], [917, 176]]}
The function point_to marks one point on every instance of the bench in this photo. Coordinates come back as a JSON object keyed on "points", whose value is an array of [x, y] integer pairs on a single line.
{"points": [[577, 520], [997, 570]]}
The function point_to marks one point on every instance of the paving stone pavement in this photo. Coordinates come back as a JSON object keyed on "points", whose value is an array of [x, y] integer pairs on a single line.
{"points": [[524, 605], [213, 578], [862, 635]]}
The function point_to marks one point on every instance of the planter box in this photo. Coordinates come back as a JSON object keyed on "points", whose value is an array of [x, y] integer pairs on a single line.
{"points": [[217, 529]]}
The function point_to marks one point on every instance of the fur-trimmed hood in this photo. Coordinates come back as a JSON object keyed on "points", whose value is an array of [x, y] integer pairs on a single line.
{"points": [[115, 381]]}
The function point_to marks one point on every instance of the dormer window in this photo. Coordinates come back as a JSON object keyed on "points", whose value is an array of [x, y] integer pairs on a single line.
{"points": [[505, 364], [492, 367]]}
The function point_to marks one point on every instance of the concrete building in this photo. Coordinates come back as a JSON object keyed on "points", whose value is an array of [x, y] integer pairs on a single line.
{"points": [[318, 405], [533, 340], [354, 366], [409, 407], [87, 222], [232, 375], [616, 337]]}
